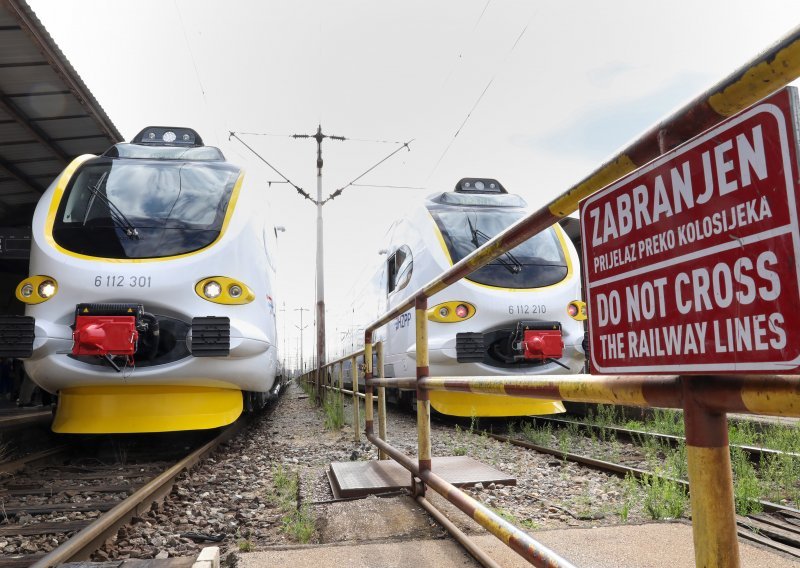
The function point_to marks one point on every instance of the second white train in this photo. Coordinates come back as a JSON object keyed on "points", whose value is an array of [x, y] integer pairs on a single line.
{"points": [[519, 315]]}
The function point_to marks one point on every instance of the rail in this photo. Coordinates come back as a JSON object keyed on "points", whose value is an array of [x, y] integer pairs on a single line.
{"points": [[705, 401]]}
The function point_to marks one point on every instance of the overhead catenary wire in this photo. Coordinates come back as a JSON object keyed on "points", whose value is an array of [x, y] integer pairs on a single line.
{"points": [[339, 191], [333, 137], [299, 189], [386, 186], [458, 59], [480, 98]]}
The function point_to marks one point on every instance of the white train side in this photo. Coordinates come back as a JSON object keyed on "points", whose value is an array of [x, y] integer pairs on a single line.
{"points": [[150, 302], [519, 315]]}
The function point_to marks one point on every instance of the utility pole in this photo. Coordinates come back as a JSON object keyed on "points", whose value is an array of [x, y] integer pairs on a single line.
{"points": [[319, 202], [301, 327], [319, 137]]}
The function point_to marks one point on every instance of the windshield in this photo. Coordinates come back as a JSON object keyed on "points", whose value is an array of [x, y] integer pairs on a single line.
{"points": [[172, 207], [537, 262]]}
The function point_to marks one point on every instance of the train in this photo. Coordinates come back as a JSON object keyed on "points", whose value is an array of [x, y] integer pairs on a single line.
{"points": [[521, 314], [150, 301]]}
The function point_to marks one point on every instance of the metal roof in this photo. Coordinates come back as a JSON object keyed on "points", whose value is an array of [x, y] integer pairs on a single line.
{"points": [[47, 114]]}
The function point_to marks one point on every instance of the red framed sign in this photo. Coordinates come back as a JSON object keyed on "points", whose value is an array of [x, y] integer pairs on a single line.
{"points": [[692, 262]]}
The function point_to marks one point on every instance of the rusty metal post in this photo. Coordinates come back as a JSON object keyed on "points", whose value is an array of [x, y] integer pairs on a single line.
{"points": [[341, 386], [368, 414], [356, 409], [710, 482], [423, 397], [381, 404]]}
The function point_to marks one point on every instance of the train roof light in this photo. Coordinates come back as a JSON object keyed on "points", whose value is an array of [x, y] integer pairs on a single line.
{"points": [[168, 136], [479, 185]]}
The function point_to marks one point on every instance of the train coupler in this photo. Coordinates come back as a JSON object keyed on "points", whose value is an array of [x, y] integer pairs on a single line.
{"points": [[538, 341], [106, 330]]}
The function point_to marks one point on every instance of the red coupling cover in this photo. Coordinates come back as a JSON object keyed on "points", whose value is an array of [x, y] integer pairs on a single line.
{"points": [[104, 335], [543, 344]]}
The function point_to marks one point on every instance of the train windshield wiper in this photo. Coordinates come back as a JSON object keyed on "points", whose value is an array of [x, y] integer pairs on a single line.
{"points": [[117, 217], [508, 260]]}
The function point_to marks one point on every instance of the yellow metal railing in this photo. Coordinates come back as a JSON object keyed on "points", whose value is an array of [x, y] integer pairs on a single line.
{"points": [[704, 400]]}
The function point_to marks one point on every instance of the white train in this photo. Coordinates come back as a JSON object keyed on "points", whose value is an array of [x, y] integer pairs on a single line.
{"points": [[150, 302], [519, 315]]}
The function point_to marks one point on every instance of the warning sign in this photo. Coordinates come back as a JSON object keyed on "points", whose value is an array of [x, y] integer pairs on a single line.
{"points": [[692, 262]]}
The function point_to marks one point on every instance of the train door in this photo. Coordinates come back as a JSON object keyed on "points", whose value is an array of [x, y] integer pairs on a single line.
{"points": [[400, 332]]}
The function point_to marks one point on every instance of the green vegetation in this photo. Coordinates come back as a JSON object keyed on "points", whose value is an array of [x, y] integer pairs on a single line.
{"points": [[334, 411], [244, 545], [630, 495], [664, 498], [529, 524], [459, 443], [746, 485], [299, 524], [297, 521]]}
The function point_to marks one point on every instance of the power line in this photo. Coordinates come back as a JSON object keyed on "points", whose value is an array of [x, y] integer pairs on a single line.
{"points": [[480, 97], [286, 179], [469, 38], [386, 186], [334, 137], [339, 191]]}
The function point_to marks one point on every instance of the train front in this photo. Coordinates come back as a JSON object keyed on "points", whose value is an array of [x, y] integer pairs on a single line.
{"points": [[148, 305], [520, 314]]}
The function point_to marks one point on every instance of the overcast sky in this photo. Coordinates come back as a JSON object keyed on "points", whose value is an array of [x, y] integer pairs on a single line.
{"points": [[568, 84]]}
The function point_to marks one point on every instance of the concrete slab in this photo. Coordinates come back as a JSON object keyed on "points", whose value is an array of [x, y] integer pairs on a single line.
{"points": [[374, 518], [359, 478]]}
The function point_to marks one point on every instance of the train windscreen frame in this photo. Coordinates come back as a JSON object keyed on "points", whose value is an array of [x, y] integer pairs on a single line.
{"points": [[540, 261], [135, 209]]}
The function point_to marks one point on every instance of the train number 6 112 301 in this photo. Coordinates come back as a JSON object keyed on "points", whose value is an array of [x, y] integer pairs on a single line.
{"points": [[120, 281]]}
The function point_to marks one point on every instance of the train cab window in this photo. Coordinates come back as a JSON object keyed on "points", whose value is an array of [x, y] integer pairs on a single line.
{"points": [[539, 261], [400, 266], [120, 208]]}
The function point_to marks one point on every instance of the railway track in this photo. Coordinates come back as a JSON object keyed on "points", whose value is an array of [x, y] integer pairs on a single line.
{"points": [[755, 453], [60, 505], [778, 527]]}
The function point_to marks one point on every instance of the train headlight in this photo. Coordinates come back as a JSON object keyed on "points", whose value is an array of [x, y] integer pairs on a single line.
{"points": [[47, 289], [37, 289], [577, 310], [451, 312], [212, 289], [224, 290]]}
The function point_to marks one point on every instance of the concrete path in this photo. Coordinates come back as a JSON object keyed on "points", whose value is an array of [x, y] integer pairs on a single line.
{"points": [[662, 545]]}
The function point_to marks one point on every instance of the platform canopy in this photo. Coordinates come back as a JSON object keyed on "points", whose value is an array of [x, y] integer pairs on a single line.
{"points": [[47, 114]]}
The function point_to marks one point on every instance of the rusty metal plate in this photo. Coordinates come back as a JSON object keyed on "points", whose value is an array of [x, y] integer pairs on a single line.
{"points": [[359, 478]]}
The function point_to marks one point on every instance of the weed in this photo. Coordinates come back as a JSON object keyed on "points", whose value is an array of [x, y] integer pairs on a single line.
{"points": [[530, 524], [458, 443], [564, 442], [506, 516], [746, 486], [606, 415], [630, 495], [334, 411], [667, 422], [542, 436], [664, 498], [299, 523], [676, 460]]}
